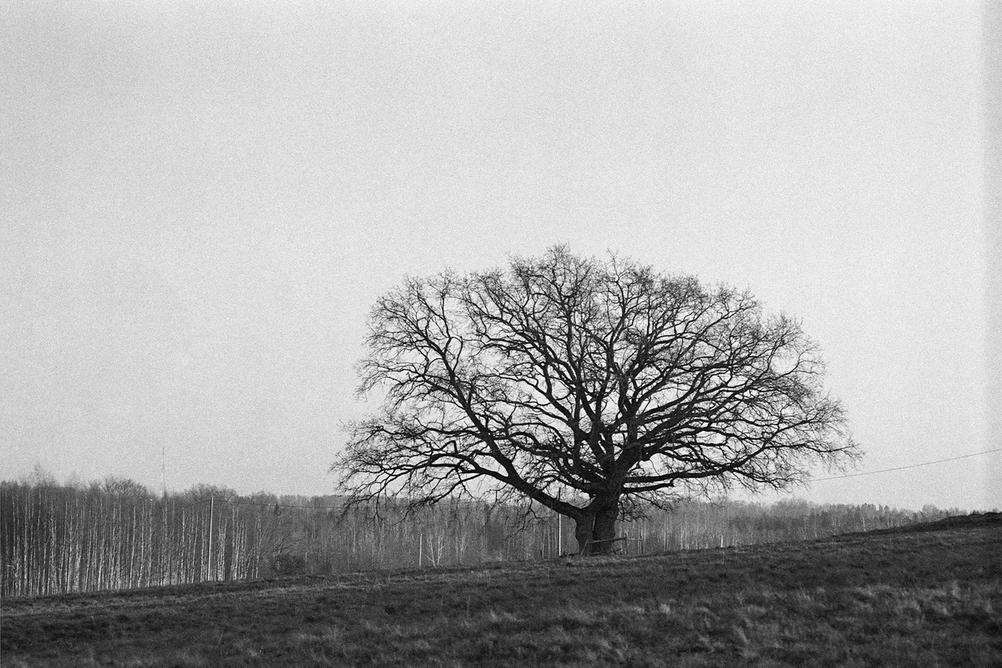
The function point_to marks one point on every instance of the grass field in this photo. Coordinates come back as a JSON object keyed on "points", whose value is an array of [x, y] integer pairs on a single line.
{"points": [[925, 596]]}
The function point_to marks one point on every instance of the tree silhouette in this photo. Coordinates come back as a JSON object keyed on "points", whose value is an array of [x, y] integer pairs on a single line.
{"points": [[585, 385]]}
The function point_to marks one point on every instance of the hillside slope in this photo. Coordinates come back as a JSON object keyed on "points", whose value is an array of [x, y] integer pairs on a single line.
{"points": [[921, 596]]}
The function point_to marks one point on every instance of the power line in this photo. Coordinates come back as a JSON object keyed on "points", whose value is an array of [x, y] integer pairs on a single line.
{"points": [[909, 466], [277, 506]]}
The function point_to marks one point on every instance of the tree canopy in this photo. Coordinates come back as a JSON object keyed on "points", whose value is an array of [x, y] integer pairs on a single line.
{"points": [[584, 384]]}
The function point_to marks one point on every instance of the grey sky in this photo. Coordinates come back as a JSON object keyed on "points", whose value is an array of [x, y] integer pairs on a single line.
{"points": [[201, 201]]}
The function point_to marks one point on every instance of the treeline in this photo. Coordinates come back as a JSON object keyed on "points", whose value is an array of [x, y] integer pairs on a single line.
{"points": [[118, 535]]}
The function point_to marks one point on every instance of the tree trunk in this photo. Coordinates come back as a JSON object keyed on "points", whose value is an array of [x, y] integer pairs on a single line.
{"points": [[582, 532], [604, 533], [595, 529]]}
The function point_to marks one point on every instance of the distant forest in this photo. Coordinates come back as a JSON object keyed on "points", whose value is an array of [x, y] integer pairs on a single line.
{"points": [[117, 534]]}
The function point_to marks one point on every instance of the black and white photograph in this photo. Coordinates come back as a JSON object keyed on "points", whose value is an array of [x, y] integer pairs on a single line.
{"points": [[529, 333]]}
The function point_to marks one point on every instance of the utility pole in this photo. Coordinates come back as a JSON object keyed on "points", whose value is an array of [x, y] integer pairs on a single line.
{"points": [[212, 504], [560, 533]]}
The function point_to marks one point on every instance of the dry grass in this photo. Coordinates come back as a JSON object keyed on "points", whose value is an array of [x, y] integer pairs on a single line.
{"points": [[903, 598]]}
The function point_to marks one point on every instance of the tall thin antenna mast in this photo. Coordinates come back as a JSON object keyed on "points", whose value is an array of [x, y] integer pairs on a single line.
{"points": [[163, 469]]}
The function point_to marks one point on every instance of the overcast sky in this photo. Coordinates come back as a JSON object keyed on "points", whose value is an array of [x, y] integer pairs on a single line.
{"points": [[201, 202]]}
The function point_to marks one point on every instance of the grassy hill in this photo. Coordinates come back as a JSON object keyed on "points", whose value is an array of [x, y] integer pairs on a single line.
{"points": [[926, 595]]}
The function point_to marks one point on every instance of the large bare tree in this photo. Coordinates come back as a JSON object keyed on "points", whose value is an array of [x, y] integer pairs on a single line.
{"points": [[585, 385]]}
